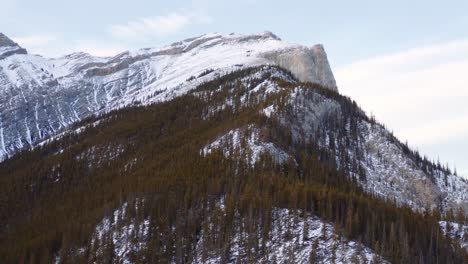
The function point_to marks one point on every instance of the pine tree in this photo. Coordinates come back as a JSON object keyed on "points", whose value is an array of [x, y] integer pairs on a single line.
{"points": [[313, 258], [305, 230], [376, 259]]}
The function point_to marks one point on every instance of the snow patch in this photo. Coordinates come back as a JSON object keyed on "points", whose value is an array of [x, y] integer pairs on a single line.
{"points": [[233, 142]]}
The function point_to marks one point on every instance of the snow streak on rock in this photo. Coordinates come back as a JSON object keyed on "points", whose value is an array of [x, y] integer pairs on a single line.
{"points": [[295, 239], [392, 174], [246, 142], [456, 231]]}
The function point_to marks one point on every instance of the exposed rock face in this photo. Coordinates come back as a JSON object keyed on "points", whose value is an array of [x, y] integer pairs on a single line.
{"points": [[8, 47], [41, 96], [5, 41], [324, 73], [307, 64]]}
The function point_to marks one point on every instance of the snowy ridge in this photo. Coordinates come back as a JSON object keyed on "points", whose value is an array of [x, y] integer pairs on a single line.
{"points": [[295, 239], [40, 97], [246, 142], [127, 238]]}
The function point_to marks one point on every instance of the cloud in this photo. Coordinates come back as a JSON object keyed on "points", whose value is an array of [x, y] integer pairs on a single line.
{"points": [[421, 93], [157, 25]]}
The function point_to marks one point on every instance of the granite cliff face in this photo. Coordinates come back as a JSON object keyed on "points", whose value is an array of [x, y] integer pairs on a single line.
{"points": [[41, 96], [307, 64]]}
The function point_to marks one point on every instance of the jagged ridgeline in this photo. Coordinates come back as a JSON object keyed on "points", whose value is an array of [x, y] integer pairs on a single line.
{"points": [[225, 173]]}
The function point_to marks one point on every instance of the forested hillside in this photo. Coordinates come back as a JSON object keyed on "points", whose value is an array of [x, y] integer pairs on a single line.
{"points": [[212, 175]]}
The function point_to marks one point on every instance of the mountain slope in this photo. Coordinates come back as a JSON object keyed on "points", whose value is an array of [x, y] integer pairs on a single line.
{"points": [[8, 47], [213, 174], [40, 97]]}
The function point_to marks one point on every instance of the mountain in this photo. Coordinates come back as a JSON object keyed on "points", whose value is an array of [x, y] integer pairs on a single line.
{"points": [[41, 96], [238, 149], [9, 47]]}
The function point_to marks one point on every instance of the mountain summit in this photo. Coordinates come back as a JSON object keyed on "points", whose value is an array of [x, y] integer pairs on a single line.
{"points": [[8, 47], [41, 96], [215, 149]]}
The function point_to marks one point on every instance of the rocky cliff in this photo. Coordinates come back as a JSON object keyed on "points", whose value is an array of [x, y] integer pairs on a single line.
{"points": [[9, 47]]}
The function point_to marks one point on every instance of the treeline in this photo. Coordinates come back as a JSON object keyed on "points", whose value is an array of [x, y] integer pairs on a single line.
{"points": [[149, 158]]}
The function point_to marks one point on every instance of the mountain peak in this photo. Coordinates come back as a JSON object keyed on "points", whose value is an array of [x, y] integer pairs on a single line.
{"points": [[271, 35], [8, 47], [144, 76], [6, 42]]}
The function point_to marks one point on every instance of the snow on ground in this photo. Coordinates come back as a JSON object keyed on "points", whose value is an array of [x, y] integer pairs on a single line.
{"points": [[269, 111], [456, 231], [166, 70], [292, 240], [126, 237], [67, 132], [123, 237], [301, 246], [456, 188], [67, 89], [233, 142], [392, 174]]}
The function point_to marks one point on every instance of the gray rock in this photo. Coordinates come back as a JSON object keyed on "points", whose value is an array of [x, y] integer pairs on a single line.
{"points": [[8, 47], [306, 64]]}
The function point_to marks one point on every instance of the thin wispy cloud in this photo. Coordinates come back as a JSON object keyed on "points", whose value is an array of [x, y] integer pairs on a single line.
{"points": [[420, 93], [158, 25]]}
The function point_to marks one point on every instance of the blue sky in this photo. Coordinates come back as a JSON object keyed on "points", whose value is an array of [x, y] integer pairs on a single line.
{"points": [[404, 61]]}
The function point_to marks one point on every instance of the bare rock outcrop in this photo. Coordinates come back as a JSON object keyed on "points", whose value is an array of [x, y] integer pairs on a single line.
{"points": [[8, 47], [306, 64]]}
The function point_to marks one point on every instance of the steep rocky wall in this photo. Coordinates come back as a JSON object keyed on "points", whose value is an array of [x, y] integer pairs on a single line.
{"points": [[307, 64]]}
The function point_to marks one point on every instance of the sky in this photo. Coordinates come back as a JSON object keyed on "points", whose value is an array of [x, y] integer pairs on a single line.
{"points": [[405, 62]]}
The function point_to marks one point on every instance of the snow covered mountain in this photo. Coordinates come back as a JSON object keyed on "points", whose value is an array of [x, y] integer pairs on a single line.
{"points": [[243, 151], [41, 96]]}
